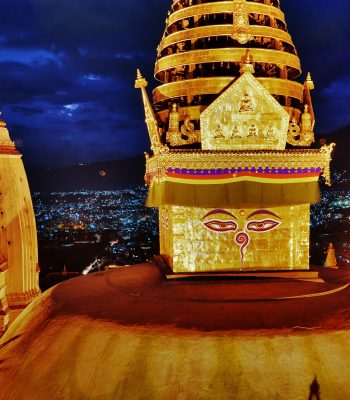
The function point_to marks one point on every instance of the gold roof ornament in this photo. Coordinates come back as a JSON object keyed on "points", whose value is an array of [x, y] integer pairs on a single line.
{"points": [[308, 87], [302, 135], [241, 26], [6, 144], [247, 64], [2, 122], [151, 121], [173, 134], [309, 82]]}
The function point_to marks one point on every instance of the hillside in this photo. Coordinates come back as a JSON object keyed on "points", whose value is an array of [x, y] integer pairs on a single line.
{"points": [[119, 174], [106, 175], [341, 152]]}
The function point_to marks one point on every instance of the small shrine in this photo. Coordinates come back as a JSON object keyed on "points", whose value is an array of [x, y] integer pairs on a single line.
{"points": [[331, 260]]}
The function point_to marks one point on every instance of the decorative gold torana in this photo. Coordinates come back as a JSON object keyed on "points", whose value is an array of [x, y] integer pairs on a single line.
{"points": [[231, 196]]}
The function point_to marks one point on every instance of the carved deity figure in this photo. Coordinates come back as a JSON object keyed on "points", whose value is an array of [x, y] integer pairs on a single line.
{"points": [[253, 131], [306, 124], [270, 132], [236, 134], [218, 132], [246, 104]]}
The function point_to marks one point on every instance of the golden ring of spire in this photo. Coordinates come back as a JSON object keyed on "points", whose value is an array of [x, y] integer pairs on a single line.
{"points": [[223, 30], [224, 7], [214, 85], [226, 55]]}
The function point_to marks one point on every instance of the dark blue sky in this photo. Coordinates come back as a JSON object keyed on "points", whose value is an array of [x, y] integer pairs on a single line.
{"points": [[68, 67]]}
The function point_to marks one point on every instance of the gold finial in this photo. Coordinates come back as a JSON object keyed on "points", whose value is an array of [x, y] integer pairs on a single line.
{"points": [[140, 80], [247, 64], [2, 122], [173, 134], [306, 123], [309, 82], [331, 260], [327, 151]]}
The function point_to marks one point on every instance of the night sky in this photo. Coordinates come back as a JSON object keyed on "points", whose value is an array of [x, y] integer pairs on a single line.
{"points": [[68, 69]]}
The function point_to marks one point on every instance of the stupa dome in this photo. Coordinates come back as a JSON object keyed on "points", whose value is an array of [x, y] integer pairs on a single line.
{"points": [[129, 333]]}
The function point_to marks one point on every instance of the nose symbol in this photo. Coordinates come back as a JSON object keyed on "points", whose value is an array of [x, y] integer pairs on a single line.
{"points": [[242, 239]]}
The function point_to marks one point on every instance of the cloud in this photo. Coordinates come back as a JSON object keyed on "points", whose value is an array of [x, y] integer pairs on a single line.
{"points": [[333, 114], [68, 69]]}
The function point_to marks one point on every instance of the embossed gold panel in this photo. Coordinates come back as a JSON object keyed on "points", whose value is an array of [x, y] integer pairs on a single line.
{"points": [[245, 116], [204, 240]]}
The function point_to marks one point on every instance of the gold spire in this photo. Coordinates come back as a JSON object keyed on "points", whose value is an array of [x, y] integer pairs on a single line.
{"points": [[331, 260], [247, 64], [200, 54], [151, 120], [5, 139], [2, 122], [173, 135], [309, 82], [140, 80]]}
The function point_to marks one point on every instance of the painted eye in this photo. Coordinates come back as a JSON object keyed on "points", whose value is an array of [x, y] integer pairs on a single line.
{"points": [[262, 226], [221, 226]]}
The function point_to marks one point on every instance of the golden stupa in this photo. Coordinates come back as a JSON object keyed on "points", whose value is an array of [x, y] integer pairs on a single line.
{"points": [[232, 196], [19, 268], [232, 168]]}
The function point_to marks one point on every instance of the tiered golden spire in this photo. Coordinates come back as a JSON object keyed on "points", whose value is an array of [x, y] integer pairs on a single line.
{"points": [[202, 49]]}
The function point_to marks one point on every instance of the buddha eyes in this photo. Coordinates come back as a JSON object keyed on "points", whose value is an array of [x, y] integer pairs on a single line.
{"points": [[221, 226], [262, 226]]}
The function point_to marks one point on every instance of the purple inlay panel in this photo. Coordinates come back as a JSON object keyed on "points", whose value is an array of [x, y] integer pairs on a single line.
{"points": [[220, 171]]}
